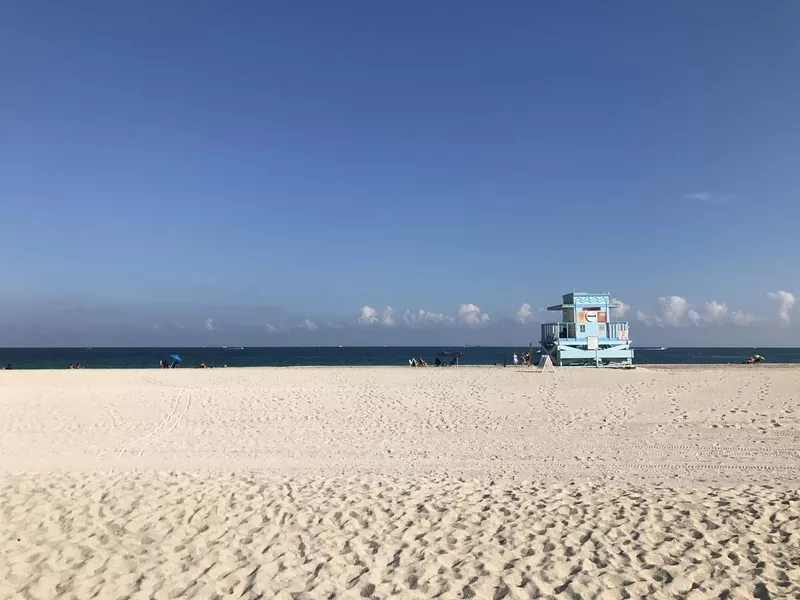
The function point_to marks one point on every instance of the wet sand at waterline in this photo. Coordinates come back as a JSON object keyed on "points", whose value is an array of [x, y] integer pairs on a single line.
{"points": [[399, 482]]}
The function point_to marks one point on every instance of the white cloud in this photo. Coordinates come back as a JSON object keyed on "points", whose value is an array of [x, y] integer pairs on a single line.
{"points": [[716, 312], [785, 302], [622, 309], [740, 317], [370, 316], [708, 197], [270, 328], [705, 197], [675, 311], [672, 309], [209, 325], [423, 318], [648, 319], [472, 316], [308, 325], [525, 314]]}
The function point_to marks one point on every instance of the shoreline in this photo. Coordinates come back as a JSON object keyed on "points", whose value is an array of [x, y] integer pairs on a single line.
{"points": [[636, 366]]}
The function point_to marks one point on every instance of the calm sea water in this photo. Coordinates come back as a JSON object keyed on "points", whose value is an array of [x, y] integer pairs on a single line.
{"points": [[137, 358]]}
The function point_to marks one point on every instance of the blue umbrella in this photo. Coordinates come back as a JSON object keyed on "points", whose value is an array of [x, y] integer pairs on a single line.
{"points": [[175, 357]]}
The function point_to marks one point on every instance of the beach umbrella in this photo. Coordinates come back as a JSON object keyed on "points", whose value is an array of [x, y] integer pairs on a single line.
{"points": [[175, 357], [455, 355]]}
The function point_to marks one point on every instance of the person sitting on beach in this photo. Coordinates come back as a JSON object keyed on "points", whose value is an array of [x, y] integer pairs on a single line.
{"points": [[438, 362], [422, 362], [71, 366]]}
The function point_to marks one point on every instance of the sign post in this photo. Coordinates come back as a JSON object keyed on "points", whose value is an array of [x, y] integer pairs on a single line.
{"points": [[592, 344]]}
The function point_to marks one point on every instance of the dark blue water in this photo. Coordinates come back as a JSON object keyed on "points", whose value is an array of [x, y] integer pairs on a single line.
{"points": [[136, 358]]}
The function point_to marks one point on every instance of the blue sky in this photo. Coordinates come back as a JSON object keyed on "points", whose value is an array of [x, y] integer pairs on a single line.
{"points": [[263, 164]]}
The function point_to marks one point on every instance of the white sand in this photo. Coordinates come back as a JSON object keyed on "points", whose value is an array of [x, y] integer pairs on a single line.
{"points": [[411, 483]]}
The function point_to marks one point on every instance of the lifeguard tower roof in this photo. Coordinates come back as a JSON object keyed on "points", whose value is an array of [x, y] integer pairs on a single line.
{"points": [[573, 298]]}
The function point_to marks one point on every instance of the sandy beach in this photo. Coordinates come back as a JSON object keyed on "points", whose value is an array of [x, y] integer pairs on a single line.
{"points": [[399, 482]]}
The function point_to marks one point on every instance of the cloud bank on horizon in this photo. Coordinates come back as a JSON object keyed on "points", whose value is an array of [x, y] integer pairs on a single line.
{"points": [[668, 319], [670, 311], [676, 311], [469, 315]]}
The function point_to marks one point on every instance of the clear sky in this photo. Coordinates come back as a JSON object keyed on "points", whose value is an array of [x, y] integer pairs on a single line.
{"points": [[270, 173]]}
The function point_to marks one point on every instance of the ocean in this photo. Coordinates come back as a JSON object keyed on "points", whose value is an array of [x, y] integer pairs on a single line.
{"points": [[138, 358]]}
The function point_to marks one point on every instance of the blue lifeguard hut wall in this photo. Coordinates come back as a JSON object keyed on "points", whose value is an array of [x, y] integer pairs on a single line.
{"points": [[586, 335]]}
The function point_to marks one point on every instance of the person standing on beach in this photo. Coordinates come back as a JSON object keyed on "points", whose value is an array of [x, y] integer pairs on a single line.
{"points": [[515, 359]]}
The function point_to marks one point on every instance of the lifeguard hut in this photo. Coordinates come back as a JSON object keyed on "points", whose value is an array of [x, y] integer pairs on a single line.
{"points": [[585, 334]]}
